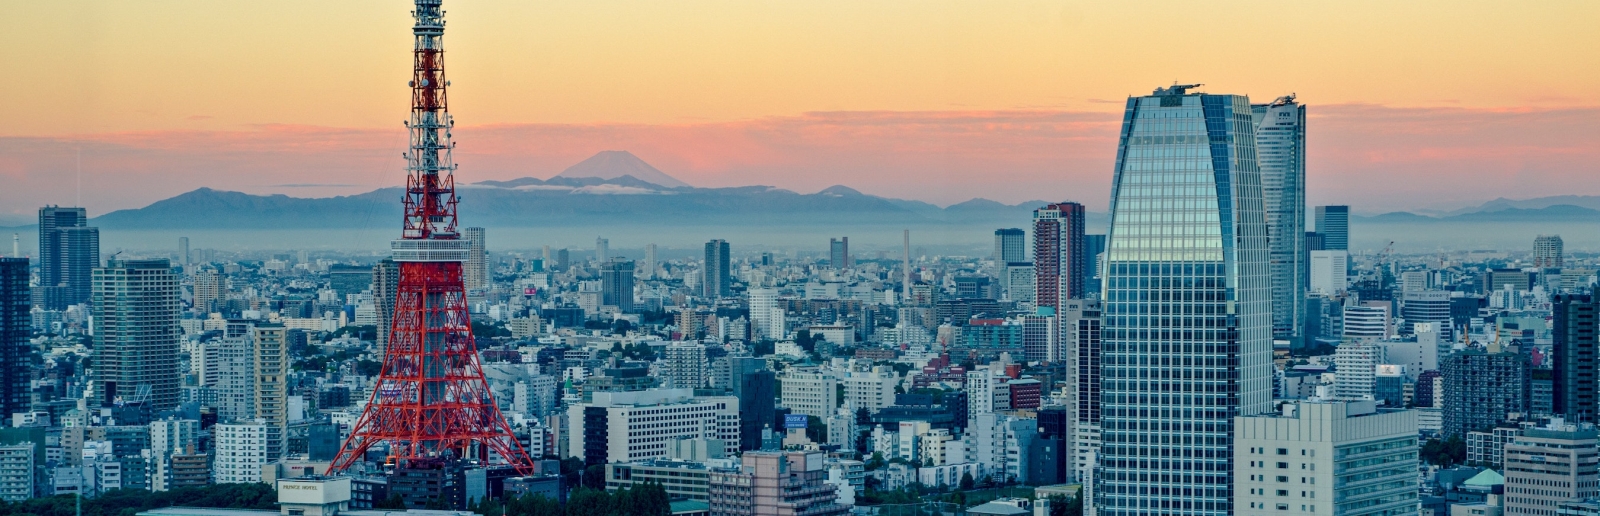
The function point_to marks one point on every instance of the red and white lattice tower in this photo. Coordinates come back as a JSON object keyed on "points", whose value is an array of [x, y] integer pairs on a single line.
{"points": [[431, 400]]}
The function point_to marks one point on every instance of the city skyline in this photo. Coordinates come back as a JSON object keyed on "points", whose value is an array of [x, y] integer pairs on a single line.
{"points": [[1511, 117]]}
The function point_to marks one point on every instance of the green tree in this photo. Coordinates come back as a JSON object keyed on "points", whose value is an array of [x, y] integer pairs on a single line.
{"points": [[588, 502], [966, 481], [394, 501], [594, 477]]}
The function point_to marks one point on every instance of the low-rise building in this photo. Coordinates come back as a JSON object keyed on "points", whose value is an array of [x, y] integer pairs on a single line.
{"points": [[1346, 458], [775, 483]]}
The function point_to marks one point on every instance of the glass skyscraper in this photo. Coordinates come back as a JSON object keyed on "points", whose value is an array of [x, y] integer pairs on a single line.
{"points": [[1281, 155], [1187, 342]]}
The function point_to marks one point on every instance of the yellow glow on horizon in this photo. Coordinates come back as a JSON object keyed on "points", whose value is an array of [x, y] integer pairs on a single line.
{"points": [[87, 66]]}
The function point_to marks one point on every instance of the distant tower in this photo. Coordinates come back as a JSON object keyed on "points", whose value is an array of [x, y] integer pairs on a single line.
{"points": [[136, 312], [385, 284], [431, 400], [183, 251], [1281, 155], [1547, 252], [602, 250], [1060, 266], [839, 253], [650, 261], [616, 284], [69, 251], [1333, 223], [715, 279], [477, 259], [1010, 245]]}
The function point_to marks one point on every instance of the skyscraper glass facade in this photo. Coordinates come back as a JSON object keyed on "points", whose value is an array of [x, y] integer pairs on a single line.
{"points": [[1333, 223], [1281, 155], [1187, 342]]}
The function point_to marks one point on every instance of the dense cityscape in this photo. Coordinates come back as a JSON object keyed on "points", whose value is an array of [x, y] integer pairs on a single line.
{"points": [[1221, 348]]}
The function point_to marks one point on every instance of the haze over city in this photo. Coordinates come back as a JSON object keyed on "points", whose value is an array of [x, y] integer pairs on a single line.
{"points": [[820, 258]]}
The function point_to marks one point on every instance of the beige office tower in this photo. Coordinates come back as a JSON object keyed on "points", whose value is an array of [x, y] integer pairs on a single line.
{"points": [[1546, 466], [208, 291], [385, 282], [477, 270], [272, 391]]}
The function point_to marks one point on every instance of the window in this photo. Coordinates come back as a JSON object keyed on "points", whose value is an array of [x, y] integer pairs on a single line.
{"points": [[1283, 451], [1283, 492], [1283, 465]]}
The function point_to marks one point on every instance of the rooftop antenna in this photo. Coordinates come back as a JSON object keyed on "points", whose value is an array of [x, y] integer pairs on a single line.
{"points": [[16, 246], [80, 175]]}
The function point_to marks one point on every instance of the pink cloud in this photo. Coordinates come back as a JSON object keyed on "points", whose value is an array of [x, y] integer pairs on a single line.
{"points": [[1376, 158]]}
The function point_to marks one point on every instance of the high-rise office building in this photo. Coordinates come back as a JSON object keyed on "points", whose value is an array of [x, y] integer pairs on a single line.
{"points": [[1059, 261], [715, 275], [602, 249], [476, 273], [183, 251], [385, 284], [839, 253], [69, 251], [347, 279], [1082, 327], [1333, 225], [616, 284], [1575, 348], [1094, 252], [272, 386], [1281, 155], [1423, 306], [1187, 341], [1547, 252], [136, 311], [563, 259], [1010, 245], [15, 301]]}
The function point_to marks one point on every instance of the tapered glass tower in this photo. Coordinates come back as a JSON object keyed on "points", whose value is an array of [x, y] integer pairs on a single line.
{"points": [[1187, 342], [1281, 155]]}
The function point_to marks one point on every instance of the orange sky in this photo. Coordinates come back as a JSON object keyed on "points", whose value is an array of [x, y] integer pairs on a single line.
{"points": [[181, 71]]}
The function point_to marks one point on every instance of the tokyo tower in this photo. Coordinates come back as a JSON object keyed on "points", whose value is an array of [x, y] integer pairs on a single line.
{"points": [[431, 400]]}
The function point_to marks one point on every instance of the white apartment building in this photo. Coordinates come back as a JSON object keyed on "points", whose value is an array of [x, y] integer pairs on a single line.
{"points": [[766, 316], [1340, 458], [1355, 369], [241, 451], [167, 437], [631, 426], [685, 366], [980, 392], [871, 390], [810, 392], [16, 472]]}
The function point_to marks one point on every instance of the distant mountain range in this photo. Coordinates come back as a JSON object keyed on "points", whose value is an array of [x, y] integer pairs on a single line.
{"points": [[616, 187], [601, 190], [1503, 210]]}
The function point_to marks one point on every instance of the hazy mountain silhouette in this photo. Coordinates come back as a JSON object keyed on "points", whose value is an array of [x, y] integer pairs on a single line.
{"points": [[617, 164]]}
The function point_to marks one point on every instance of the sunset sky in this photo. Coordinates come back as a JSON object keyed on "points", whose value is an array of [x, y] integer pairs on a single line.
{"points": [[1414, 105]]}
